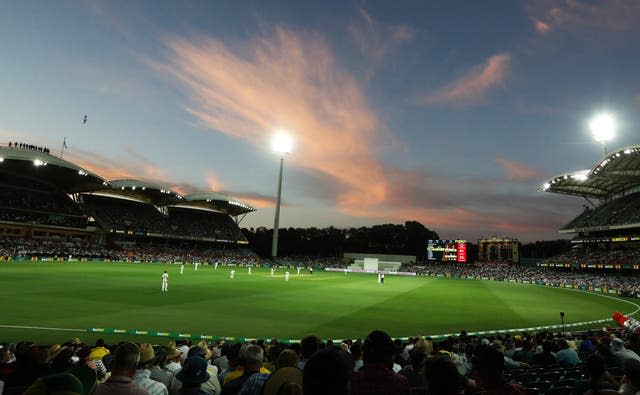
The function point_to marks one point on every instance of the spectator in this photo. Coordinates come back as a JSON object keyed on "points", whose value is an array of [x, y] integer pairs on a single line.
{"points": [[487, 366], [308, 346], [122, 370], [142, 376], [252, 358], [621, 352], [566, 355], [599, 378], [327, 372], [441, 376], [630, 382], [193, 375], [376, 375]]}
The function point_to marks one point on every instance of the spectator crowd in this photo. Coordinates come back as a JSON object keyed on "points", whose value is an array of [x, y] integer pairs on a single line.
{"points": [[587, 363]]}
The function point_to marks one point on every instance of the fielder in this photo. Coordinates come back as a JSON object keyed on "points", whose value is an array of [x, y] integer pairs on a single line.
{"points": [[286, 276], [232, 273], [196, 263], [215, 266], [249, 270], [298, 270], [182, 268], [271, 272], [165, 282]]}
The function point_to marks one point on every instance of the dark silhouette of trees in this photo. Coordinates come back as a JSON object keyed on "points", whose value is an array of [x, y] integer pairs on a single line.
{"points": [[408, 239]]}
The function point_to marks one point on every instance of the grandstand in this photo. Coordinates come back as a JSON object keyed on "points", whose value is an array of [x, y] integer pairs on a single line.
{"points": [[607, 232], [43, 196]]}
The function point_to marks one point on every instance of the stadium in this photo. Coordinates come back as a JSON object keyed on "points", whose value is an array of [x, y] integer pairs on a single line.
{"points": [[82, 257]]}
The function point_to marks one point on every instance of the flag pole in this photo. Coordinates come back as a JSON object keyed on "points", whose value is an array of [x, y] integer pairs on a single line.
{"points": [[64, 145]]}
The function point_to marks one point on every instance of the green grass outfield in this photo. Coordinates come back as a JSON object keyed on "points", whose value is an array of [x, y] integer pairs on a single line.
{"points": [[329, 304]]}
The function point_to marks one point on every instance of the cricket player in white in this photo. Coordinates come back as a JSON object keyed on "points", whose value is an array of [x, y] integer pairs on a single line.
{"points": [[232, 273], [378, 277], [196, 263], [298, 270], [249, 270], [182, 268], [286, 276], [271, 272], [345, 271], [215, 266], [165, 281]]}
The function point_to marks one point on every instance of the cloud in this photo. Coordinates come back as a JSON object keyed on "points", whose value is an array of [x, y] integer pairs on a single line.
{"points": [[291, 80], [294, 80], [377, 40], [517, 171], [473, 86], [575, 15]]}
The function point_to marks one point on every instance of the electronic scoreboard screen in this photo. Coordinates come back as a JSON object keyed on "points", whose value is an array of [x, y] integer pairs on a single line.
{"points": [[447, 251]]}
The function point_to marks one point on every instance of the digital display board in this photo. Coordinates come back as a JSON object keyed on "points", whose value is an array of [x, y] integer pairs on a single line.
{"points": [[454, 251]]}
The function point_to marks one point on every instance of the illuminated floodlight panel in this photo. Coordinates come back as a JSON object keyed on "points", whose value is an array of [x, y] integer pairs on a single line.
{"points": [[603, 127], [282, 143]]}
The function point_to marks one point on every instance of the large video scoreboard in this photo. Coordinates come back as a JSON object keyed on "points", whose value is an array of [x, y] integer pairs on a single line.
{"points": [[454, 251]]}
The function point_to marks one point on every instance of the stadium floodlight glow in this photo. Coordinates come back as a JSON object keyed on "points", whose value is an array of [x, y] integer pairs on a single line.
{"points": [[282, 143], [603, 128], [582, 176], [1, 159], [38, 162]]}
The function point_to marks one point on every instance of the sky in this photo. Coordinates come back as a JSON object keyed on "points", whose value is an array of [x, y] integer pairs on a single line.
{"points": [[450, 113]]}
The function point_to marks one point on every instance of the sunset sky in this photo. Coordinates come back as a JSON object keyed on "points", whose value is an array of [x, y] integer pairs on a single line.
{"points": [[450, 113]]}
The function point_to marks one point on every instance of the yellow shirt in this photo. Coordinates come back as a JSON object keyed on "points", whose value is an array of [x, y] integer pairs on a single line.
{"points": [[238, 372]]}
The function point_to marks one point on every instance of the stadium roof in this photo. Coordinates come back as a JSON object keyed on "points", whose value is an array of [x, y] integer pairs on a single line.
{"points": [[143, 191], [218, 202], [42, 169], [614, 174]]}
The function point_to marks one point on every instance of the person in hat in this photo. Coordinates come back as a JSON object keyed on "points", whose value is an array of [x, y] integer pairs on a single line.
{"points": [[620, 351], [277, 380], [80, 380], [212, 385], [173, 358], [142, 376], [123, 368], [99, 351], [193, 375]]}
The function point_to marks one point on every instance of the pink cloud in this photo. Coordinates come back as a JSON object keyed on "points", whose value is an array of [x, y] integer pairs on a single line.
{"points": [[288, 80], [601, 15], [517, 171], [473, 86]]}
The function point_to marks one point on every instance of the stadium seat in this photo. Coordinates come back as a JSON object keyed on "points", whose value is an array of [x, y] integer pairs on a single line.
{"points": [[542, 385], [560, 391]]}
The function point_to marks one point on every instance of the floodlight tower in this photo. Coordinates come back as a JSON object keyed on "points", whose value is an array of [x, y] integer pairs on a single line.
{"points": [[282, 144], [603, 128]]}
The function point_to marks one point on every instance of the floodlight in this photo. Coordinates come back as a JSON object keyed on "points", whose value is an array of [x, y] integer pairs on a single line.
{"points": [[583, 176], [282, 143], [38, 162], [603, 127]]}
